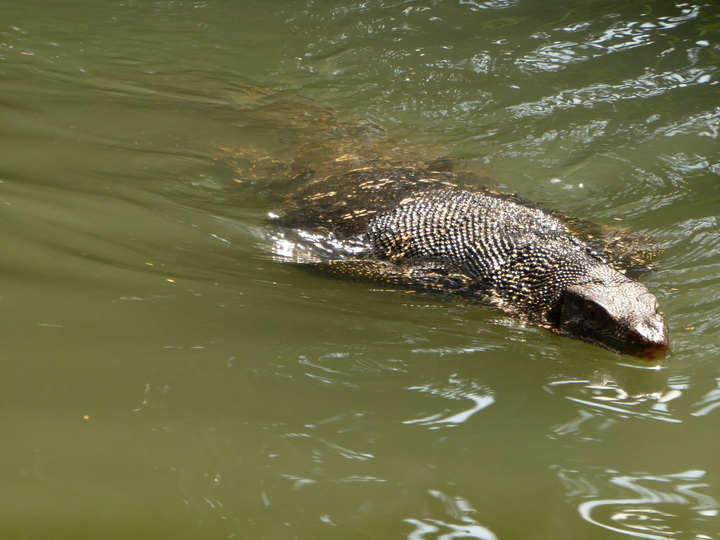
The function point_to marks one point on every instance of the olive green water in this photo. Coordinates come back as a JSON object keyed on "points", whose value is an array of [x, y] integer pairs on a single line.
{"points": [[164, 378]]}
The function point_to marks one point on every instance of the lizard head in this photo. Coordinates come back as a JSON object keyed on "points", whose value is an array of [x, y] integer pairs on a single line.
{"points": [[621, 315]]}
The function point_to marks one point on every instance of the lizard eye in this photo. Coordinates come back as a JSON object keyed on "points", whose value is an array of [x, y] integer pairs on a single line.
{"points": [[592, 313]]}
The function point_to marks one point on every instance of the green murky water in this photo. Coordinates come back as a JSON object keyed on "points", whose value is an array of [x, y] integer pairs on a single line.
{"points": [[164, 377]]}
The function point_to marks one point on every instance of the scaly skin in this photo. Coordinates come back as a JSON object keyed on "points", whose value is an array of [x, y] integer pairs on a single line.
{"points": [[416, 227]]}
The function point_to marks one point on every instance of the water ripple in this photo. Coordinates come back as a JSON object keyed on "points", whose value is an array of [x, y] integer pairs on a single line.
{"points": [[709, 402], [692, 269], [477, 5], [480, 397], [644, 505], [620, 36], [338, 367], [601, 400], [645, 86], [705, 124], [460, 525]]}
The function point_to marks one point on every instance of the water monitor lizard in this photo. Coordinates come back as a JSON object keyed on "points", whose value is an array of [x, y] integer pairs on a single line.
{"points": [[354, 212]]}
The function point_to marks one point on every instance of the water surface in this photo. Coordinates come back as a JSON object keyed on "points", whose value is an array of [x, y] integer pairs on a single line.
{"points": [[165, 377]]}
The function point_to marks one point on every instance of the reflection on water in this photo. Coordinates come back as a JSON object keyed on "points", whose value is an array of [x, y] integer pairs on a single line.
{"points": [[709, 402], [163, 377], [479, 396], [645, 86], [611, 394], [435, 528], [464, 526], [602, 39], [641, 505]]}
